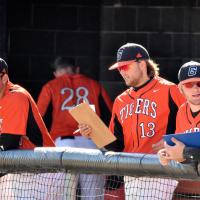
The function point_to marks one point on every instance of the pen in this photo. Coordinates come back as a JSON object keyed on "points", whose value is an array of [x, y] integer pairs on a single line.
{"points": [[76, 131]]}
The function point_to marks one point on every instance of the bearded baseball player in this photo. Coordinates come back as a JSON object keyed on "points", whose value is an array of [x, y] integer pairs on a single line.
{"points": [[141, 116]]}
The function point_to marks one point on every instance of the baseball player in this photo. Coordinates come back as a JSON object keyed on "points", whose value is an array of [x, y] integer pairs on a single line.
{"points": [[68, 89], [187, 121], [141, 116], [21, 127]]}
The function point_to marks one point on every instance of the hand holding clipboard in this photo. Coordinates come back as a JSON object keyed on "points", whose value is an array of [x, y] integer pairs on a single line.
{"points": [[100, 134]]}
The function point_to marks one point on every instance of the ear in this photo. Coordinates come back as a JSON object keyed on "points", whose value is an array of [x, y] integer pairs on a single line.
{"points": [[180, 87], [5, 79], [143, 65], [55, 75]]}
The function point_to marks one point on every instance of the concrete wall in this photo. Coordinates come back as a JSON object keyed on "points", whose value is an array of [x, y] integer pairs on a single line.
{"points": [[93, 30], [2, 28]]}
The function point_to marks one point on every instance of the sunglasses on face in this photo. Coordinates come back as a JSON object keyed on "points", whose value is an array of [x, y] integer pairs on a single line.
{"points": [[191, 84], [124, 68]]}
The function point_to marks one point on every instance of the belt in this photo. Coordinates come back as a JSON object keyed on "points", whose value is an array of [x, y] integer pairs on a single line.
{"points": [[67, 137]]}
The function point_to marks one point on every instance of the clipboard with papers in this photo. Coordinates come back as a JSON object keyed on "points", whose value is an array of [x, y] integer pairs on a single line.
{"points": [[100, 135], [189, 139]]}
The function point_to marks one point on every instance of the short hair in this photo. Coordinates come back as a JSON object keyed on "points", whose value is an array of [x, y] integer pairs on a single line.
{"points": [[62, 62], [152, 68]]}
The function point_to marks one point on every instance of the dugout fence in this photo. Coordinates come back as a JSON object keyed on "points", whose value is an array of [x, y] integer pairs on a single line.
{"points": [[85, 174]]}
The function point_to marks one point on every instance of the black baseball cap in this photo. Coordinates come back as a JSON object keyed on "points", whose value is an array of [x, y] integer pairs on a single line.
{"points": [[62, 62], [3, 65], [129, 53], [189, 72]]}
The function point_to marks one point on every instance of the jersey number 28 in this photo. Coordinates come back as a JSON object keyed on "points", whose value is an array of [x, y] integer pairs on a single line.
{"points": [[80, 94]]}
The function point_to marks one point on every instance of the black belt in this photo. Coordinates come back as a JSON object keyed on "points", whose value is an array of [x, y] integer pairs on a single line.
{"points": [[67, 137]]}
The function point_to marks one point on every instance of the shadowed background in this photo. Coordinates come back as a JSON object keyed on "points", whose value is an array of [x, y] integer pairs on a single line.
{"points": [[33, 32]]}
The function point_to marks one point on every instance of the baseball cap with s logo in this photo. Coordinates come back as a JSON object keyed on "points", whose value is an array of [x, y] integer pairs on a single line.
{"points": [[129, 53], [189, 72]]}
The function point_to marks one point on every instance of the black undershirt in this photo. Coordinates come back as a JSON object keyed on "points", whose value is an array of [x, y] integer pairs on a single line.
{"points": [[137, 88], [194, 114]]}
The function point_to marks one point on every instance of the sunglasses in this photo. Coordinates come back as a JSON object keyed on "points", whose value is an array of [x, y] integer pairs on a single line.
{"points": [[124, 68], [191, 84]]}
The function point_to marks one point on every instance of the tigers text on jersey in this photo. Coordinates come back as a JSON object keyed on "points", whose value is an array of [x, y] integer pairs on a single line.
{"points": [[19, 115], [141, 117], [67, 91]]}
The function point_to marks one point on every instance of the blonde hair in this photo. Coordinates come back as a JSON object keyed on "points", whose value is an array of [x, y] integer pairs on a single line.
{"points": [[152, 68]]}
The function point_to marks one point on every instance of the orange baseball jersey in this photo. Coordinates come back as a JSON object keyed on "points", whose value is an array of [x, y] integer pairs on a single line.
{"points": [[67, 91], [140, 118], [186, 123], [19, 115]]}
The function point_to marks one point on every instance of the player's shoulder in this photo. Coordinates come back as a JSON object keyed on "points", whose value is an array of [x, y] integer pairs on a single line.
{"points": [[86, 78], [52, 82], [182, 111], [17, 92], [88, 81], [182, 107], [164, 82], [121, 97]]}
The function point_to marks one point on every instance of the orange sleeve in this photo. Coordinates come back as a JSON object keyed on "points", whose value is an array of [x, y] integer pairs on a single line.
{"points": [[44, 99], [178, 98], [16, 114]]}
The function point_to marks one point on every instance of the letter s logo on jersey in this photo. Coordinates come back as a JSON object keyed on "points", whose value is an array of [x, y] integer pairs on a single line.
{"points": [[192, 71]]}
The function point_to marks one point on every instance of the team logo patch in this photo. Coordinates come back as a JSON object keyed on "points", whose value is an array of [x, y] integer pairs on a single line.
{"points": [[192, 71], [138, 55], [119, 54]]}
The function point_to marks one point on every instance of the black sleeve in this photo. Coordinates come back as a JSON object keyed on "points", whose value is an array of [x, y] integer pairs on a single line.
{"points": [[48, 116], [173, 109], [9, 141], [117, 145], [105, 112], [191, 154], [33, 131]]}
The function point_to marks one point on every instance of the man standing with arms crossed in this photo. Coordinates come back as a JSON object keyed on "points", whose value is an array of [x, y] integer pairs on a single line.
{"points": [[21, 127], [187, 121], [68, 89], [141, 116]]}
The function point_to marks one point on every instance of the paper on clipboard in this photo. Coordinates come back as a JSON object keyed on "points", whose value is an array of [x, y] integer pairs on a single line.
{"points": [[100, 135]]}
